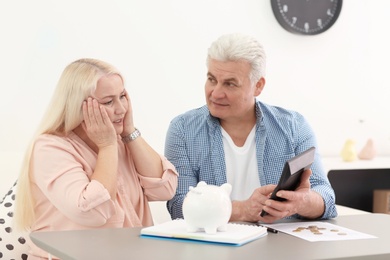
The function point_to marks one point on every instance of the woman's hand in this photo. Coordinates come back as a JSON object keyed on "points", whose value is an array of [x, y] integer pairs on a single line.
{"points": [[97, 125], [128, 122]]}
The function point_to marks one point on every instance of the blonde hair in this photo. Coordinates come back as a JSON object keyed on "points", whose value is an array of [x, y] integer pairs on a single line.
{"points": [[76, 84]]}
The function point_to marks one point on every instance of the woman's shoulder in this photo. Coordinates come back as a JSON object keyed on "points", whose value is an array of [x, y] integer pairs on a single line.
{"points": [[56, 141]]}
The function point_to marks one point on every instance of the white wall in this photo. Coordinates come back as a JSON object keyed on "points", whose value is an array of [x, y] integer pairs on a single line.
{"points": [[338, 79]]}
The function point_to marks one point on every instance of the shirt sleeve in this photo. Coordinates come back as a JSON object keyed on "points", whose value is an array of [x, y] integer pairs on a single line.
{"points": [[157, 189], [175, 151], [62, 175], [318, 180]]}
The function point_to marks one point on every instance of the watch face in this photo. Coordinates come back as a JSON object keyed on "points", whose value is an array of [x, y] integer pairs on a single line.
{"points": [[307, 17]]}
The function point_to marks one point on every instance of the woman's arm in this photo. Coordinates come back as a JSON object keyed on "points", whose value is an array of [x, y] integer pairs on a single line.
{"points": [[146, 160]]}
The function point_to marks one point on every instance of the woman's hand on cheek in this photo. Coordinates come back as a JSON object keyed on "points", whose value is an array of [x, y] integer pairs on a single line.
{"points": [[128, 123], [97, 124]]}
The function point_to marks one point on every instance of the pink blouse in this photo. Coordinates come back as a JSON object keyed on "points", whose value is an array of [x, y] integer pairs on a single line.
{"points": [[66, 199]]}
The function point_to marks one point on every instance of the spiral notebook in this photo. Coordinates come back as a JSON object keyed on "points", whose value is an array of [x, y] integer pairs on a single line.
{"points": [[235, 234]]}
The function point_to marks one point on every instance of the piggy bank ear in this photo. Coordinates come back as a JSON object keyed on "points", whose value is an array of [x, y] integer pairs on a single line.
{"points": [[227, 187], [201, 184]]}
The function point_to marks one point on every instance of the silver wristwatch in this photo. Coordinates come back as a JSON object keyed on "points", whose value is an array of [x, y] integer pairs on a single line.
{"points": [[132, 136]]}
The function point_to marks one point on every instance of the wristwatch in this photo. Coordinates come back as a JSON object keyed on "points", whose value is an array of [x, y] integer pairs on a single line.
{"points": [[131, 137]]}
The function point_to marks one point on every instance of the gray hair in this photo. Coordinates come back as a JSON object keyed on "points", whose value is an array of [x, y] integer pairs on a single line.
{"points": [[236, 47]]}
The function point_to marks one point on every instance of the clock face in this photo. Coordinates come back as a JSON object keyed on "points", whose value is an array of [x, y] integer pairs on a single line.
{"points": [[306, 17]]}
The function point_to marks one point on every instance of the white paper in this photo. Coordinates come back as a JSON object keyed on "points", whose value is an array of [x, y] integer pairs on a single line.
{"points": [[318, 231]]}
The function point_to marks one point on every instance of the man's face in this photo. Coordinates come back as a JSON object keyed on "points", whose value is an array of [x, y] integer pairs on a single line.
{"points": [[230, 95]]}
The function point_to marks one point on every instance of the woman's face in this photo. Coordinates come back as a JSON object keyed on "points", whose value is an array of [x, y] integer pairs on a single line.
{"points": [[111, 93]]}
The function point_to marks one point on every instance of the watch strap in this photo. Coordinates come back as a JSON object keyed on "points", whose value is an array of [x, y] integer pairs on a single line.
{"points": [[132, 136]]}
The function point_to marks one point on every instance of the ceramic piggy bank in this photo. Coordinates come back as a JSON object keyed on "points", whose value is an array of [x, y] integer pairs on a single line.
{"points": [[207, 207]]}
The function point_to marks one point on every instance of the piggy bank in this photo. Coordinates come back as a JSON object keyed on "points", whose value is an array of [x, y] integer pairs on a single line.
{"points": [[207, 207]]}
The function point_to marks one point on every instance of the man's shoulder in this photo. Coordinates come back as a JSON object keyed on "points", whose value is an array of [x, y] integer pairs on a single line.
{"points": [[203, 110], [194, 115], [277, 111]]}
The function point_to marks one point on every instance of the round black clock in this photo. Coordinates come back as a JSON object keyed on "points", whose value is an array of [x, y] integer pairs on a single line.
{"points": [[306, 17]]}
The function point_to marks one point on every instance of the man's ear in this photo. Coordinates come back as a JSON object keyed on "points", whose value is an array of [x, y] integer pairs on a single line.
{"points": [[259, 86]]}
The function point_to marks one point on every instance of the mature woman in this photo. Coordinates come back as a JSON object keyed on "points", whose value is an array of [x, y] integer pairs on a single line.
{"points": [[88, 166]]}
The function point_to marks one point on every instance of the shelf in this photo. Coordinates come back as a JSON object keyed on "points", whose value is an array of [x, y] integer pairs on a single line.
{"points": [[336, 163]]}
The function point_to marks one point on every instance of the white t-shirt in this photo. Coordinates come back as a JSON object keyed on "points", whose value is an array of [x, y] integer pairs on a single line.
{"points": [[241, 166]]}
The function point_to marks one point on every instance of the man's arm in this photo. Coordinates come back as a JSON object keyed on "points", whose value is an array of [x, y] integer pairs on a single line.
{"points": [[177, 154]]}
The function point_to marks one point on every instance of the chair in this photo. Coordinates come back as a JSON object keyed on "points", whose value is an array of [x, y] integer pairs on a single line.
{"points": [[12, 244], [354, 187]]}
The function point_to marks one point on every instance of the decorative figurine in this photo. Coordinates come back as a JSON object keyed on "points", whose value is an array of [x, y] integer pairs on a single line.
{"points": [[368, 152], [207, 207], [348, 153]]}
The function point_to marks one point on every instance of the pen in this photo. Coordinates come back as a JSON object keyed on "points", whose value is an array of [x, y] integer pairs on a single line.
{"points": [[271, 230]]}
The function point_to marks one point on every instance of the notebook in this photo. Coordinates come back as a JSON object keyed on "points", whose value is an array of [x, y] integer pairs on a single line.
{"points": [[235, 234]]}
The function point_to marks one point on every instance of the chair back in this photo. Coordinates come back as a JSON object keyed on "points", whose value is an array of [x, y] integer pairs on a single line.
{"points": [[12, 244]]}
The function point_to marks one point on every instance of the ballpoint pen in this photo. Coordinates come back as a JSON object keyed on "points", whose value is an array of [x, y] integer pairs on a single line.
{"points": [[269, 229], [272, 230]]}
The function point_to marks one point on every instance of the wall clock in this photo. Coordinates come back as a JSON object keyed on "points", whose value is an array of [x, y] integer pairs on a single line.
{"points": [[306, 17]]}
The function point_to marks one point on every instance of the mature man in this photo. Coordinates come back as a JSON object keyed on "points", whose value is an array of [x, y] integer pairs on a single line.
{"points": [[238, 139]]}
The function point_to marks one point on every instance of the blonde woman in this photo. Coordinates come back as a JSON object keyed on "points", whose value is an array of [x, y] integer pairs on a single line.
{"points": [[88, 166]]}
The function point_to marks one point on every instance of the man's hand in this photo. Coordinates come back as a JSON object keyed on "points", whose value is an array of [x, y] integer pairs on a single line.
{"points": [[302, 201], [249, 210]]}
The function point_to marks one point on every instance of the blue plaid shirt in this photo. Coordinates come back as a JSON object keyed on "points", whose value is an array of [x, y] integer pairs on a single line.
{"points": [[194, 145]]}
